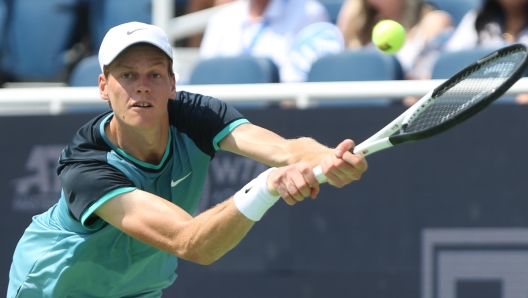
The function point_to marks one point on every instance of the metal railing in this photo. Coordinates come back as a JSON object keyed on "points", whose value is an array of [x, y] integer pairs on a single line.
{"points": [[56, 100]]}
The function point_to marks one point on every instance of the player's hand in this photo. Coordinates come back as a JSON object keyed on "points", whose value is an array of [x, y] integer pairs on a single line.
{"points": [[343, 167], [293, 183]]}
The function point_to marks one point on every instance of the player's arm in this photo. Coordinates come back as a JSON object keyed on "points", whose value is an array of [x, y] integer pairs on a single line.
{"points": [[339, 164], [208, 236], [162, 224]]}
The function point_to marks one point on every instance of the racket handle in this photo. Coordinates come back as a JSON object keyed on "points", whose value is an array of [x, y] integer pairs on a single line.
{"points": [[318, 172]]}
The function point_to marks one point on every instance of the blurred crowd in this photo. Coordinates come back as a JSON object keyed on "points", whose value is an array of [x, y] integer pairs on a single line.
{"points": [[43, 41]]}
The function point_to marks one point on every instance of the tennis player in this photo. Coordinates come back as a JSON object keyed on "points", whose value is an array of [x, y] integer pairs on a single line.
{"points": [[131, 178]]}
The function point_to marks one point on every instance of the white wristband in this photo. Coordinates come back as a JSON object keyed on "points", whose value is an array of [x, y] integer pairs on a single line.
{"points": [[254, 199]]}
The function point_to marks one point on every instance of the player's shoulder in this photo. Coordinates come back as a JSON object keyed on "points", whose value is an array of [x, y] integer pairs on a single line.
{"points": [[184, 98], [88, 143]]}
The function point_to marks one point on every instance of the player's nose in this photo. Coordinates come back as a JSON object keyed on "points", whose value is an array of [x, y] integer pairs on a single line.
{"points": [[143, 85]]}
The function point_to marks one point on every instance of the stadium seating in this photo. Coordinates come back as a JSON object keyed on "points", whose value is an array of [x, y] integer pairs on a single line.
{"points": [[38, 39], [105, 14], [449, 63], [85, 73], [367, 64], [362, 65], [234, 70]]}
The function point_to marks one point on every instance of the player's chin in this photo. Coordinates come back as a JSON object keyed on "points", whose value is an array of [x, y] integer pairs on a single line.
{"points": [[142, 122]]}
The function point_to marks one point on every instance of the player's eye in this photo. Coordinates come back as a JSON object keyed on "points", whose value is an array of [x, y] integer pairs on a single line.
{"points": [[126, 76], [157, 75]]}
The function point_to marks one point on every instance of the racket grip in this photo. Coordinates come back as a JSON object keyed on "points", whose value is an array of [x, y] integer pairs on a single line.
{"points": [[318, 172]]}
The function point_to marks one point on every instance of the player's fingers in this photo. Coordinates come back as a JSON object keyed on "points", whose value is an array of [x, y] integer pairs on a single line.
{"points": [[340, 173], [288, 189], [313, 184], [335, 180], [289, 192], [342, 167], [358, 162], [295, 183], [295, 192], [306, 181], [344, 147], [314, 192], [290, 201], [283, 192]]}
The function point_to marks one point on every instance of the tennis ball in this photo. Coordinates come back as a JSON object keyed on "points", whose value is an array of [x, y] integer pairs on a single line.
{"points": [[388, 36]]}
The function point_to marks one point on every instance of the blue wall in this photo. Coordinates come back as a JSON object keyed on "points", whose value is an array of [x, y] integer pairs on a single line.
{"points": [[365, 240]]}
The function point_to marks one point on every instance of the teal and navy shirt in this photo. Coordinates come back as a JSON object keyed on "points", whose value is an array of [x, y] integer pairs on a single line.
{"points": [[69, 252]]}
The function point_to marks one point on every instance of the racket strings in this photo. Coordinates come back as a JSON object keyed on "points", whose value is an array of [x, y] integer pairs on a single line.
{"points": [[472, 87]]}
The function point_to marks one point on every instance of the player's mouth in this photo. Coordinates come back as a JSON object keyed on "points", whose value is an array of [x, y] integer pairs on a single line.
{"points": [[142, 105]]}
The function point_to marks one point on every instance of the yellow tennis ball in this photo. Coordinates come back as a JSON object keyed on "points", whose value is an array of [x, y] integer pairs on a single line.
{"points": [[388, 36]]}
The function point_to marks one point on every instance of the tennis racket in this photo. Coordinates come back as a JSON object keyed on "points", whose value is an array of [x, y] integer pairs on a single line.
{"points": [[457, 99]]}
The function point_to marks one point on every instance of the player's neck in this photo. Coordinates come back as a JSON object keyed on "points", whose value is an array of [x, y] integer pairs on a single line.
{"points": [[146, 146]]}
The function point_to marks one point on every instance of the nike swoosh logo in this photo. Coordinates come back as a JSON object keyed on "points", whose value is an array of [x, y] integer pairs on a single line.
{"points": [[174, 183], [132, 31]]}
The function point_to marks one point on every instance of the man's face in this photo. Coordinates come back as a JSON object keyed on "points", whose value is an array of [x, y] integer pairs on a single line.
{"points": [[138, 87]]}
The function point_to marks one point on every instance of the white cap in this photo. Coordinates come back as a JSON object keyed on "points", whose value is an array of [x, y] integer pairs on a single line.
{"points": [[122, 36]]}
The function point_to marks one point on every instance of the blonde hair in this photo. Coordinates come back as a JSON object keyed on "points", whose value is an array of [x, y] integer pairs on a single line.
{"points": [[356, 20]]}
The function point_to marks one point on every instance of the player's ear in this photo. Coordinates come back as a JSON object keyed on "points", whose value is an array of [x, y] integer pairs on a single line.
{"points": [[174, 79], [103, 84]]}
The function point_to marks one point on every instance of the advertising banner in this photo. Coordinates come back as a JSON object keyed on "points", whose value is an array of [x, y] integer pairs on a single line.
{"points": [[446, 217]]}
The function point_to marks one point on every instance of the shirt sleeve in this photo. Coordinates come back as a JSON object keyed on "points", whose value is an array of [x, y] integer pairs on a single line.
{"points": [[206, 120], [87, 186]]}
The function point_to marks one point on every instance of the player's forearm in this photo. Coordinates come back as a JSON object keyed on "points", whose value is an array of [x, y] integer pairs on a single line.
{"points": [[162, 224], [269, 148], [293, 151], [304, 150], [213, 233]]}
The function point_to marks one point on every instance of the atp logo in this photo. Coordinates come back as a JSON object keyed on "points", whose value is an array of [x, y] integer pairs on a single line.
{"points": [[40, 188]]}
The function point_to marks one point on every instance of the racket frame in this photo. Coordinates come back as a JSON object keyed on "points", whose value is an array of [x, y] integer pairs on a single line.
{"points": [[384, 138]]}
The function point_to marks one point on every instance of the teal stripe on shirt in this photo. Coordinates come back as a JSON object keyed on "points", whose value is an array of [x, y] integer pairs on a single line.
{"points": [[226, 131], [99, 223]]}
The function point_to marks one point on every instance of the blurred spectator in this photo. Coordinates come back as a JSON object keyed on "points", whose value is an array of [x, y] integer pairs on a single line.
{"points": [[427, 29], [263, 28], [497, 24], [311, 43], [197, 5]]}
